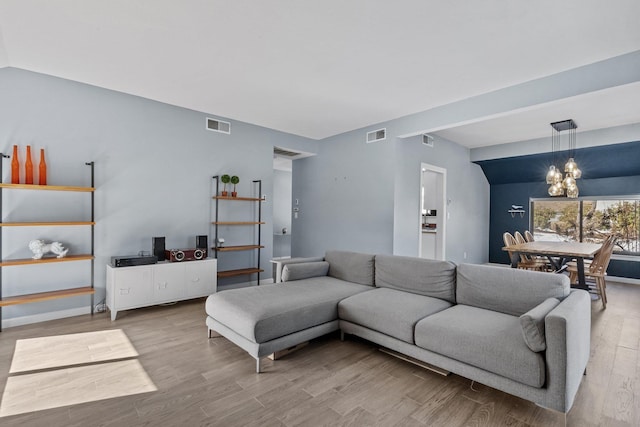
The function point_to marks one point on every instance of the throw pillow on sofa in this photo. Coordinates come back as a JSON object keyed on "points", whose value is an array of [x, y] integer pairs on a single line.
{"points": [[304, 270], [532, 323]]}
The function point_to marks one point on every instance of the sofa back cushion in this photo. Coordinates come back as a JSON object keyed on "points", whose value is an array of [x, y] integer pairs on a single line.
{"points": [[507, 290], [351, 266], [421, 276]]}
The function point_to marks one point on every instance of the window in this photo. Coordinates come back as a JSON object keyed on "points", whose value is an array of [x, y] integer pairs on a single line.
{"points": [[589, 220]]}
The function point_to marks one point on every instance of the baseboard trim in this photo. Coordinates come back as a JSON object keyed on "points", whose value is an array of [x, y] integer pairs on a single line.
{"points": [[43, 317], [627, 280]]}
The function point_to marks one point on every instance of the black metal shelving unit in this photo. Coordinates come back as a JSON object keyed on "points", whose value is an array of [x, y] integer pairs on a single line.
{"points": [[56, 294], [257, 246]]}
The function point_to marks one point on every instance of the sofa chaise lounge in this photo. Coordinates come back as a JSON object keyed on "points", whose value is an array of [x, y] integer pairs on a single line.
{"points": [[525, 333]]}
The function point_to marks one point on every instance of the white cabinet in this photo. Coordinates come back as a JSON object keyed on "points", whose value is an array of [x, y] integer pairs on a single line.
{"points": [[141, 286], [169, 282]]}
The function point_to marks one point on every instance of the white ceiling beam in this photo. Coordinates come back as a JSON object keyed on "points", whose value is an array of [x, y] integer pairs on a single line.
{"points": [[610, 73]]}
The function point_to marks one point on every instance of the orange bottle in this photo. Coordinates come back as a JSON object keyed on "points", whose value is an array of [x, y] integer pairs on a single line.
{"points": [[28, 167], [42, 169], [15, 166]]}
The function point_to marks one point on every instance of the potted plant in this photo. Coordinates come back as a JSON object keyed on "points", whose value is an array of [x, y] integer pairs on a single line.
{"points": [[234, 180], [225, 180]]}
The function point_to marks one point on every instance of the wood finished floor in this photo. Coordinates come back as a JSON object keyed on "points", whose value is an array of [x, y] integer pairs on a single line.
{"points": [[204, 381]]}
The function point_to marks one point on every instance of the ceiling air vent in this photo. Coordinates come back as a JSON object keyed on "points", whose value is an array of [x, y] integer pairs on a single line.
{"points": [[427, 140], [283, 152], [216, 125], [287, 153], [376, 135]]}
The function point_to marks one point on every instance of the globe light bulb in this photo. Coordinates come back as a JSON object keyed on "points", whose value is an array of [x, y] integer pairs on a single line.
{"points": [[569, 181], [570, 166], [577, 173], [573, 192], [551, 174]]}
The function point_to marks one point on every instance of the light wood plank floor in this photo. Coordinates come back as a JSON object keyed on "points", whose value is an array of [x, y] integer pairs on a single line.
{"points": [[204, 381]]}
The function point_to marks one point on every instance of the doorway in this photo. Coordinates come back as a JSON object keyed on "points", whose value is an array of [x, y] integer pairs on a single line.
{"points": [[282, 194], [433, 215]]}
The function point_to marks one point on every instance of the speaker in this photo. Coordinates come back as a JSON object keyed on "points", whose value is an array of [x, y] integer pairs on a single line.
{"points": [[201, 242], [158, 248]]}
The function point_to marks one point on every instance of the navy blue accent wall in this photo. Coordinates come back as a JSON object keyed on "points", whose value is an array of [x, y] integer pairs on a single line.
{"points": [[513, 181]]}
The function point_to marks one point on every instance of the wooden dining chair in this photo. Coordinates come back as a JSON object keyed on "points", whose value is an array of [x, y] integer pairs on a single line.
{"points": [[525, 263], [541, 263], [528, 236], [597, 270], [573, 265]]}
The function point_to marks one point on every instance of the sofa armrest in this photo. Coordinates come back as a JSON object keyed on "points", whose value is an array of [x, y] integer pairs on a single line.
{"points": [[568, 335], [280, 263]]}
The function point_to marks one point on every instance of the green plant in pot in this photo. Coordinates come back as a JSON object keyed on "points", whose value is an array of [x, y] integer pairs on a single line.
{"points": [[225, 179], [234, 180]]}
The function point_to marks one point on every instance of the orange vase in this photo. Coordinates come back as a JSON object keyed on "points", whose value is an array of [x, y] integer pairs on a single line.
{"points": [[15, 166], [42, 169], [28, 167]]}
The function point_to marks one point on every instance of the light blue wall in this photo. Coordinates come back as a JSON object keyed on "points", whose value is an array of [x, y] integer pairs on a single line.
{"points": [[366, 197], [467, 193], [154, 164], [346, 197]]}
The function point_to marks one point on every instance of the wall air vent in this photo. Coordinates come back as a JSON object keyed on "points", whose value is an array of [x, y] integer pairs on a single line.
{"points": [[376, 135], [216, 125], [427, 140]]}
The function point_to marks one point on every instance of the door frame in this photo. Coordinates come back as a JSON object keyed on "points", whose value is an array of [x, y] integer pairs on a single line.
{"points": [[442, 207]]}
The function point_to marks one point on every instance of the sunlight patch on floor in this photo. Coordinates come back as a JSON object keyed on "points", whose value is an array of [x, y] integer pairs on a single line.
{"points": [[68, 350], [59, 381]]}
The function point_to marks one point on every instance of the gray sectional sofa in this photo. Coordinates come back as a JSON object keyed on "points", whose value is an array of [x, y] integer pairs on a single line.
{"points": [[522, 332]]}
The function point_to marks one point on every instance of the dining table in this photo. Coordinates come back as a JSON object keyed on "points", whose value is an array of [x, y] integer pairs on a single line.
{"points": [[558, 253]]}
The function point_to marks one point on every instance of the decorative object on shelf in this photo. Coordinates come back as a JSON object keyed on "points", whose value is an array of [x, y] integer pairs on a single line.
{"points": [[564, 185], [235, 181], [516, 209], [40, 248], [42, 169], [15, 166], [284, 230], [28, 167], [225, 179]]}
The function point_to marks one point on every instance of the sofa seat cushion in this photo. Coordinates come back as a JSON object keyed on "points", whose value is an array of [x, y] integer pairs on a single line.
{"points": [[391, 312], [262, 313], [482, 338]]}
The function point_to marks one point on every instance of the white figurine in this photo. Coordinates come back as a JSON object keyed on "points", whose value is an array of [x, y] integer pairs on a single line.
{"points": [[40, 248]]}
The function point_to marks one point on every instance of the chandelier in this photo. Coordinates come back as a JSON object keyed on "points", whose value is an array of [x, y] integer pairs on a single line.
{"points": [[564, 184]]}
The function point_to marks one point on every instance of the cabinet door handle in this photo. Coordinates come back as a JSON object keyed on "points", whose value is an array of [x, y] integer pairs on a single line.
{"points": [[124, 291], [196, 279], [162, 285]]}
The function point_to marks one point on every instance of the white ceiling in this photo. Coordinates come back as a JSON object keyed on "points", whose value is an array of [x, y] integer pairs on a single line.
{"points": [[596, 110], [317, 68]]}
